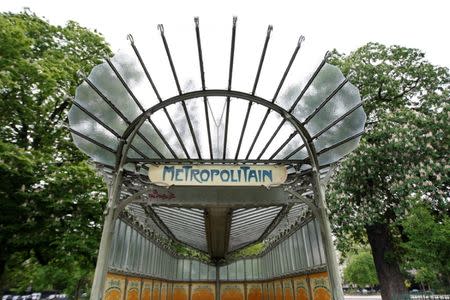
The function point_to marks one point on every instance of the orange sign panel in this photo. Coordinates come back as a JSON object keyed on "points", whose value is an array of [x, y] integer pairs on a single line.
{"points": [[271, 291], [133, 288], [169, 291], [180, 291], [231, 291], [114, 287], [163, 291], [288, 290], [278, 290], [265, 291], [146, 289], [202, 291], [320, 286], [254, 291], [301, 288], [156, 290]]}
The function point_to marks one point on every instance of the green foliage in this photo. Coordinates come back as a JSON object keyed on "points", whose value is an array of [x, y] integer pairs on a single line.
{"points": [[24, 272], [402, 158], [428, 246], [39, 64], [403, 155], [393, 77], [16, 173], [360, 269], [51, 199], [249, 251], [189, 252]]}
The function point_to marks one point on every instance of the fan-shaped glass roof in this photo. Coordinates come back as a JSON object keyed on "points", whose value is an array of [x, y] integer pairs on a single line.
{"points": [[184, 103]]}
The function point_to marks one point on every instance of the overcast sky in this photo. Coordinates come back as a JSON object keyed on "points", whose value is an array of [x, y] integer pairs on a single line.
{"points": [[344, 24]]}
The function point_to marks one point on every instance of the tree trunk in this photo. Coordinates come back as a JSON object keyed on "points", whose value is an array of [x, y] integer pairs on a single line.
{"points": [[387, 267], [2, 270], [77, 290]]}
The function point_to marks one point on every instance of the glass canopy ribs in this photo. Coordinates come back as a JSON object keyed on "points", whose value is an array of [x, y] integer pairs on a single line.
{"points": [[214, 169]]}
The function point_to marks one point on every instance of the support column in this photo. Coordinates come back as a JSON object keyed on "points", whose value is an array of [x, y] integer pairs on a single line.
{"points": [[319, 210], [104, 250], [217, 282], [330, 253]]}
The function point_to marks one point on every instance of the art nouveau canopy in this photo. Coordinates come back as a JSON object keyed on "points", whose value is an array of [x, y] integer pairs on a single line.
{"points": [[139, 109]]}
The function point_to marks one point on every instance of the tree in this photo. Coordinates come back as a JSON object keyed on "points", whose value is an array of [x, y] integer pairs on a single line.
{"points": [[360, 269], [402, 157], [51, 199], [16, 173], [428, 246]]}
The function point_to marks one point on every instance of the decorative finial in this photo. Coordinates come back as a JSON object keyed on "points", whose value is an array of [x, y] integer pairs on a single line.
{"points": [[130, 38], [301, 39], [81, 74]]}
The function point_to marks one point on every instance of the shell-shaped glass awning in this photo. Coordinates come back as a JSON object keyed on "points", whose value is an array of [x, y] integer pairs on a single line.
{"points": [[164, 105]]}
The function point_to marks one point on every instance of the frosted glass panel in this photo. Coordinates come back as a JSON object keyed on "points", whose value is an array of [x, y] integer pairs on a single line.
{"points": [[203, 271], [240, 275], [195, 270], [223, 273], [248, 269], [121, 92], [232, 271]]}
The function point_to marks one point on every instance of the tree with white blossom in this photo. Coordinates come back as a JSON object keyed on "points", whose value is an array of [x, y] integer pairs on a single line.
{"points": [[403, 157]]}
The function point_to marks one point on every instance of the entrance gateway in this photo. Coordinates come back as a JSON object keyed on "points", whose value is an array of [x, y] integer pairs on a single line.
{"points": [[195, 175]]}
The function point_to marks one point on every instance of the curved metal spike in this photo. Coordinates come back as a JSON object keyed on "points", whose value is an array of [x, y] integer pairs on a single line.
{"points": [[301, 39], [81, 74], [160, 27], [130, 38]]}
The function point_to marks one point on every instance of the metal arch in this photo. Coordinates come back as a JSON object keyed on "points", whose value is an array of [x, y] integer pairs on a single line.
{"points": [[222, 93], [130, 132]]}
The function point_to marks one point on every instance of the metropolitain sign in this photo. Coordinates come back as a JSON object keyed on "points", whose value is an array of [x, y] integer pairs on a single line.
{"points": [[217, 175]]}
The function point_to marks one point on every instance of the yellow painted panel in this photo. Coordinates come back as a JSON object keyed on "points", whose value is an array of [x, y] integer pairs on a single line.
{"points": [[180, 291], [254, 291], [288, 290], [271, 291], [231, 291], [320, 286], [203, 291], [147, 287], [301, 288], [114, 287], [156, 290], [163, 291], [265, 291], [278, 290], [169, 291], [133, 288]]}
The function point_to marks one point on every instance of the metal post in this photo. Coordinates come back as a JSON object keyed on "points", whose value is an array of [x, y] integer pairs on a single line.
{"points": [[330, 254], [319, 210], [217, 282], [104, 251]]}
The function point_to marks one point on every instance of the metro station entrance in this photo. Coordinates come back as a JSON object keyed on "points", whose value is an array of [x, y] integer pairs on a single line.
{"points": [[197, 177]]}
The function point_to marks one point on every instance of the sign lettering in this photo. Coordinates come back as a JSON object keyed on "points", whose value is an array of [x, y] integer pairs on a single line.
{"points": [[218, 175]]}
